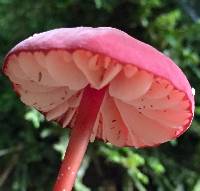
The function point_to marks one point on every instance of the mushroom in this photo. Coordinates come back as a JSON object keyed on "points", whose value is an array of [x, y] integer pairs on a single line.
{"points": [[104, 84]]}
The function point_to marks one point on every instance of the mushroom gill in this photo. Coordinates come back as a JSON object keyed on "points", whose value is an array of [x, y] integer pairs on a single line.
{"points": [[139, 108]]}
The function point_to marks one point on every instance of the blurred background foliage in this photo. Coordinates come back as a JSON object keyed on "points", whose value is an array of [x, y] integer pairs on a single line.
{"points": [[31, 148]]}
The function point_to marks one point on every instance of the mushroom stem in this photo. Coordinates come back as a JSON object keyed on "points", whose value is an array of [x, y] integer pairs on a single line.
{"points": [[81, 132]]}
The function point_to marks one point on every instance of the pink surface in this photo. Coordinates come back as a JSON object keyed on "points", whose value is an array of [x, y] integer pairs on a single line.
{"points": [[113, 43]]}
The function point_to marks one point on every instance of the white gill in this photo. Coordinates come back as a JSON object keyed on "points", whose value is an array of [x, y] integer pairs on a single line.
{"points": [[139, 109]]}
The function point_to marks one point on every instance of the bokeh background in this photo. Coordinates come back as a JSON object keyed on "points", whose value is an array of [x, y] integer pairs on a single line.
{"points": [[31, 148]]}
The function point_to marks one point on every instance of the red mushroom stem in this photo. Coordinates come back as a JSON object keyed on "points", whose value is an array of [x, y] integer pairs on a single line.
{"points": [[81, 132]]}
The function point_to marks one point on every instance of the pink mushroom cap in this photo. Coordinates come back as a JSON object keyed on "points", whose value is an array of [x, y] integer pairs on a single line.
{"points": [[148, 97]]}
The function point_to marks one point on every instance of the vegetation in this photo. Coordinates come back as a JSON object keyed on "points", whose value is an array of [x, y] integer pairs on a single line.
{"points": [[31, 148]]}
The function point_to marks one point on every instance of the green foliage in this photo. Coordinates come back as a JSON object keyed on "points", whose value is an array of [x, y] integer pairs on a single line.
{"points": [[31, 148], [35, 117]]}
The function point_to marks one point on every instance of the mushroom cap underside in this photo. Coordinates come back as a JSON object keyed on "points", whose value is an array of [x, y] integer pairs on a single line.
{"points": [[140, 107]]}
